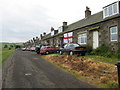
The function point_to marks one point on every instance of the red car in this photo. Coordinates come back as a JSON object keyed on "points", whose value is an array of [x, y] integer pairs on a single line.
{"points": [[48, 49], [32, 49]]}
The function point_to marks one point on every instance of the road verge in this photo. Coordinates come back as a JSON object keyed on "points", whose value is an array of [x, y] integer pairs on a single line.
{"points": [[97, 73]]}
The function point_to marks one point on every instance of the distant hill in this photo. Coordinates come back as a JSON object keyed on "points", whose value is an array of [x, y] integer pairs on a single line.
{"points": [[2, 44]]}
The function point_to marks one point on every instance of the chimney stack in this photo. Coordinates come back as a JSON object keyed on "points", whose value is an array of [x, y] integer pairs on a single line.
{"points": [[64, 23], [87, 12], [44, 33], [33, 39], [52, 29], [41, 35]]}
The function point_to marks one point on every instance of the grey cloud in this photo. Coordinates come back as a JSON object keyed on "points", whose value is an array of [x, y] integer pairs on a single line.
{"points": [[25, 24]]}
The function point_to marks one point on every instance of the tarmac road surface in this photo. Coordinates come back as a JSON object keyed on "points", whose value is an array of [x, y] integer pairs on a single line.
{"points": [[25, 69]]}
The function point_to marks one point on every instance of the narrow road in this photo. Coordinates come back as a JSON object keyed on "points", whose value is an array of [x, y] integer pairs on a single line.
{"points": [[26, 69]]}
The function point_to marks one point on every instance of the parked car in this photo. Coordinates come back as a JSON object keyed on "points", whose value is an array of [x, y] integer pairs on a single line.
{"points": [[27, 49], [72, 49], [38, 47], [23, 49], [32, 49], [49, 49]]}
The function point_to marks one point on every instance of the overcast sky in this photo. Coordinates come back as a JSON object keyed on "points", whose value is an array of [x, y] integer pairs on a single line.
{"points": [[21, 20]]}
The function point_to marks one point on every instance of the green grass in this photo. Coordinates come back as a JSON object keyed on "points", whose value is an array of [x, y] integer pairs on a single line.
{"points": [[103, 59], [4, 54]]}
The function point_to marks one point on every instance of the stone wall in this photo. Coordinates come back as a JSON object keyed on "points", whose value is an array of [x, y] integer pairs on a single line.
{"points": [[104, 33]]}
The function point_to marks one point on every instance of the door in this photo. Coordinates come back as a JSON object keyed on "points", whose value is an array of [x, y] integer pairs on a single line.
{"points": [[95, 39]]}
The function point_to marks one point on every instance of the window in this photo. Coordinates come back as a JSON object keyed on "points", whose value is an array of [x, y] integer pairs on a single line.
{"points": [[60, 29], [82, 38], [68, 37], [76, 45], [114, 33], [52, 33], [42, 47], [66, 46], [111, 10], [51, 42]]}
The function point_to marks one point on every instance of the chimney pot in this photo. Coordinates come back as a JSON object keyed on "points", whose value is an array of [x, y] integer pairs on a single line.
{"points": [[87, 12], [44, 33], [40, 35], [64, 23], [52, 29]]}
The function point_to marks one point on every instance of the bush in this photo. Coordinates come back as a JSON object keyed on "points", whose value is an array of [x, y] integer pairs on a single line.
{"points": [[108, 54], [17, 46], [103, 50], [6, 46], [9, 48], [89, 49], [118, 53]]}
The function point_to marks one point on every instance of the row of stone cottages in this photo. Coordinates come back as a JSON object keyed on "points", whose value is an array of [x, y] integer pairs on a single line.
{"points": [[94, 30]]}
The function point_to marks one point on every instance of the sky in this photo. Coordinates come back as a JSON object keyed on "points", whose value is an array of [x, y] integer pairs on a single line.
{"points": [[21, 20]]}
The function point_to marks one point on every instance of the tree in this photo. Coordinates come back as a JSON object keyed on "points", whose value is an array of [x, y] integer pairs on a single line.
{"points": [[11, 46], [5, 46], [17, 46]]}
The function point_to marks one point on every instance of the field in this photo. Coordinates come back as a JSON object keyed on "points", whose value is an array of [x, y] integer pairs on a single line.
{"points": [[94, 72], [6, 53]]}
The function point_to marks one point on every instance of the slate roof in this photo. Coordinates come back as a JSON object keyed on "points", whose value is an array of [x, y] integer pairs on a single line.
{"points": [[92, 19], [95, 18]]}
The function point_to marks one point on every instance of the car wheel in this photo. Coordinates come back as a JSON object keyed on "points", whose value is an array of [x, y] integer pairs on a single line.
{"points": [[71, 53], [61, 52], [46, 52], [38, 52]]}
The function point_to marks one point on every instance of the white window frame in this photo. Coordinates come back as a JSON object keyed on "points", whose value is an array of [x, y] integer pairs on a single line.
{"points": [[60, 29], [52, 33], [106, 12], [51, 42], [69, 40], [84, 37], [116, 33]]}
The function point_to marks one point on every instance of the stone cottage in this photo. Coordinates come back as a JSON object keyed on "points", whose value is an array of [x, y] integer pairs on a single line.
{"points": [[93, 30]]}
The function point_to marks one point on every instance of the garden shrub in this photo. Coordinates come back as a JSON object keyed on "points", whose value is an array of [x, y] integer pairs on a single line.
{"points": [[89, 49], [103, 50], [9, 48], [118, 53]]}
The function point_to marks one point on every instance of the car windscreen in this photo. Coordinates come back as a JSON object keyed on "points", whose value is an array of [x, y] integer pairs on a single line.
{"points": [[76, 45], [50, 47], [42, 47]]}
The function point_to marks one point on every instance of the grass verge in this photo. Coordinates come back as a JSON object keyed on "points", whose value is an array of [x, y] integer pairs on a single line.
{"points": [[5, 53], [101, 58], [99, 74]]}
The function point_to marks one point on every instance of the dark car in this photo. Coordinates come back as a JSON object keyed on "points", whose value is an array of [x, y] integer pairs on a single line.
{"points": [[72, 49], [49, 49], [38, 47]]}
